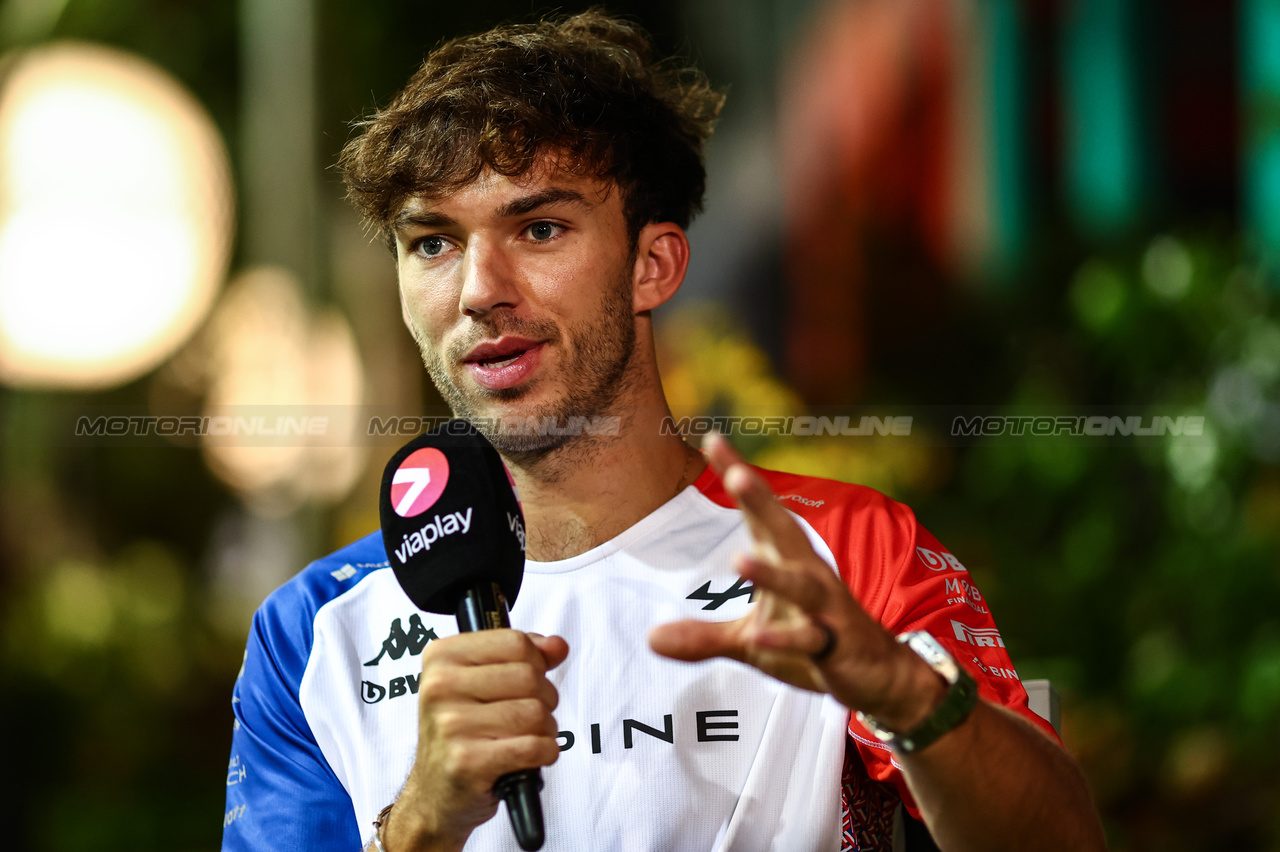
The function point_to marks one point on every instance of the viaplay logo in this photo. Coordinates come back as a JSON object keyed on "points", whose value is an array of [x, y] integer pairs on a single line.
{"points": [[419, 482]]}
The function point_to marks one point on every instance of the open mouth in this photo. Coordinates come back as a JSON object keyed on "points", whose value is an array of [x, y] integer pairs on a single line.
{"points": [[503, 363]]}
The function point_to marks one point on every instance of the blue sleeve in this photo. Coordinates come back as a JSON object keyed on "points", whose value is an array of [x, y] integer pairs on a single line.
{"points": [[282, 794]]}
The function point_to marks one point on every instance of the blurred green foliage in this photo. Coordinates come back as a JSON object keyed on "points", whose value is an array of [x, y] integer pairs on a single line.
{"points": [[1142, 576]]}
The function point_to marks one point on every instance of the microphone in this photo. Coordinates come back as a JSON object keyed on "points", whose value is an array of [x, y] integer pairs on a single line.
{"points": [[454, 532]]}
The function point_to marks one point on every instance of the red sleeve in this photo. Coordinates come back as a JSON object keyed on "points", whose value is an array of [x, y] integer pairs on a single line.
{"points": [[907, 580]]}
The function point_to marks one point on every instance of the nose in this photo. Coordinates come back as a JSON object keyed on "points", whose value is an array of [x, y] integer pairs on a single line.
{"points": [[488, 279]]}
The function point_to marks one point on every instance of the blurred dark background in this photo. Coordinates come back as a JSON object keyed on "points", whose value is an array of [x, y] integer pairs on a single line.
{"points": [[924, 208]]}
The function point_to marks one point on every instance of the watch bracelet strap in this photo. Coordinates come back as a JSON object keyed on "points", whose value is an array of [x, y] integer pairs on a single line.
{"points": [[955, 707], [378, 822]]}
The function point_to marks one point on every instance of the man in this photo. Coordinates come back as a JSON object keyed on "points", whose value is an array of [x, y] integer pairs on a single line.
{"points": [[535, 183]]}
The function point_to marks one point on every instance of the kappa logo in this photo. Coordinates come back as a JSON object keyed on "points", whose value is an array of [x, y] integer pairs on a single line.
{"points": [[714, 600], [419, 482], [399, 640]]}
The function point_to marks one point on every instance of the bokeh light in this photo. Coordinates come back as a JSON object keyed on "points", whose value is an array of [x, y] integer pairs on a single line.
{"points": [[116, 217], [275, 366]]}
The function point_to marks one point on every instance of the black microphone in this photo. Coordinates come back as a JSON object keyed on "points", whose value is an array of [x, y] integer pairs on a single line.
{"points": [[454, 532]]}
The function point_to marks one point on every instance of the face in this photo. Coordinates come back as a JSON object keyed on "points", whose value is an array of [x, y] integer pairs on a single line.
{"points": [[519, 294]]}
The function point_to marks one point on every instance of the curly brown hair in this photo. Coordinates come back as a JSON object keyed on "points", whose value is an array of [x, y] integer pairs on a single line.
{"points": [[583, 87]]}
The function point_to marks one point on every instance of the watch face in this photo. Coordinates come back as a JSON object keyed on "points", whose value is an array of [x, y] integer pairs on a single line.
{"points": [[932, 652], [961, 696]]}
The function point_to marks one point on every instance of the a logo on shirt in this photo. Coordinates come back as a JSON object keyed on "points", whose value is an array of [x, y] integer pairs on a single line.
{"points": [[962, 591], [419, 482], [709, 726], [372, 693], [935, 561], [805, 501], [714, 600], [236, 771], [399, 640], [996, 671], [982, 638]]}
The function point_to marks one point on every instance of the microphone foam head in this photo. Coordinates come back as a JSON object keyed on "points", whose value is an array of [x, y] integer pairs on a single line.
{"points": [[450, 518]]}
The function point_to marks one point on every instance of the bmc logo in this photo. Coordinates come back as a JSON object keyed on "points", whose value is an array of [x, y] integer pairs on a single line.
{"points": [[419, 482], [935, 561]]}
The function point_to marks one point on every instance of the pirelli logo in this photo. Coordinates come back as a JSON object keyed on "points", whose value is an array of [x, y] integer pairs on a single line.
{"points": [[989, 638]]}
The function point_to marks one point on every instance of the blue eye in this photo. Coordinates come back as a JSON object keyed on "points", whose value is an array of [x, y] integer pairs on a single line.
{"points": [[542, 230], [432, 246]]}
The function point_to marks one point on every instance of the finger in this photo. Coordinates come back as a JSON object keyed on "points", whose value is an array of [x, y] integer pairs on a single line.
{"points": [[554, 650], [497, 682], [484, 647], [794, 581], [460, 721], [774, 531], [691, 640], [804, 637], [720, 453], [527, 752], [482, 762]]}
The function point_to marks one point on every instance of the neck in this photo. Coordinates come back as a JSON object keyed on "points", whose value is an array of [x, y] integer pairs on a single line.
{"points": [[593, 488]]}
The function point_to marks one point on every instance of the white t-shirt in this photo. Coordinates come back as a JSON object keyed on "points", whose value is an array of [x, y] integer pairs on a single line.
{"points": [[655, 754]]}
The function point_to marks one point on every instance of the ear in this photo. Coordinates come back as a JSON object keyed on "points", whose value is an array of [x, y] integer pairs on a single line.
{"points": [[662, 258]]}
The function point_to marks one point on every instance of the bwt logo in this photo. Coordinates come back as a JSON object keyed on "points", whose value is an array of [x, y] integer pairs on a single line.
{"points": [[986, 638], [372, 693], [935, 561]]}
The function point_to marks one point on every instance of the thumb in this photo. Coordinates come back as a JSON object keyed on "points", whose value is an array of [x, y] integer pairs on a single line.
{"points": [[692, 640], [553, 648]]}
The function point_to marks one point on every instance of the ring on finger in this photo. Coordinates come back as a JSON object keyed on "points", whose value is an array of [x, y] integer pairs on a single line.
{"points": [[821, 655]]}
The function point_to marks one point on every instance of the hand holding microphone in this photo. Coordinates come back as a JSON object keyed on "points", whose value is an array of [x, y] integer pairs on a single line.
{"points": [[454, 533]]}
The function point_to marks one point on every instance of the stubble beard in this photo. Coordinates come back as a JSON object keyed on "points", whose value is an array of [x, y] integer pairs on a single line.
{"points": [[599, 373]]}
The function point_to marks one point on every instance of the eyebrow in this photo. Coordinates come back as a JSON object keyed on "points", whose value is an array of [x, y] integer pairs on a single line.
{"points": [[551, 195], [426, 219], [516, 207]]}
